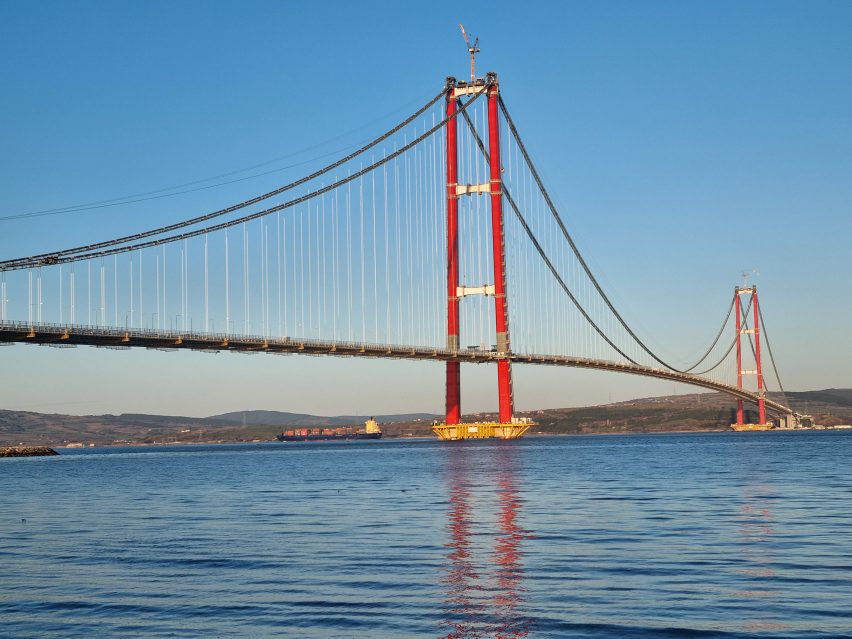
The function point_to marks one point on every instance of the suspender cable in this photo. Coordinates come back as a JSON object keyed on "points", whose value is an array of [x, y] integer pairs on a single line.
{"points": [[375, 260], [157, 273], [387, 254], [206, 290], [307, 275], [103, 294], [361, 258], [130, 296], [334, 261], [398, 274], [408, 282], [246, 309], [141, 298], [349, 260], [278, 270], [227, 288], [315, 273], [165, 314]]}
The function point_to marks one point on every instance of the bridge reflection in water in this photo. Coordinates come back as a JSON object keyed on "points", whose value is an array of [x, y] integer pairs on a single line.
{"points": [[484, 572], [757, 532]]}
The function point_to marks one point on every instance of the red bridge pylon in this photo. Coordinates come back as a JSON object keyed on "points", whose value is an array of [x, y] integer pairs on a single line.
{"points": [[507, 427], [741, 330]]}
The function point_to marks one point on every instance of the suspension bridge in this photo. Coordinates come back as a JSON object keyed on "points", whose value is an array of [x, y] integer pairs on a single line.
{"points": [[409, 247]]}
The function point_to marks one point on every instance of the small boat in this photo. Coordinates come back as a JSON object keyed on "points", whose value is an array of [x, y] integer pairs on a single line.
{"points": [[371, 431]]}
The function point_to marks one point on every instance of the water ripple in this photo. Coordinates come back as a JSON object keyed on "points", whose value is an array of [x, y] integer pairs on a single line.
{"points": [[710, 536]]}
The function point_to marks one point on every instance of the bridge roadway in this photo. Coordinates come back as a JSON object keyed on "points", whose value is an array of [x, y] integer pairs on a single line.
{"points": [[105, 337]]}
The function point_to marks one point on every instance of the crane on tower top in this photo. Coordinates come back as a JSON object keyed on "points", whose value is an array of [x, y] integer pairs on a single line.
{"points": [[472, 49], [746, 275]]}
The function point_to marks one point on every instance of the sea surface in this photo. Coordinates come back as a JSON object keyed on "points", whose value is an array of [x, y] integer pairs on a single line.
{"points": [[681, 535]]}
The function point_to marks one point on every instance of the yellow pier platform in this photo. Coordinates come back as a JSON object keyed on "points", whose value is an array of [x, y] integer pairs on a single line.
{"points": [[483, 430], [746, 427]]}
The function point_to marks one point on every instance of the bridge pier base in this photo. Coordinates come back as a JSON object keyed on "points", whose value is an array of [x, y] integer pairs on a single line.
{"points": [[483, 430], [453, 393]]}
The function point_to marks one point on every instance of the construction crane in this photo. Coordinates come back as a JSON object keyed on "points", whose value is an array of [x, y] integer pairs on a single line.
{"points": [[472, 49], [746, 275]]}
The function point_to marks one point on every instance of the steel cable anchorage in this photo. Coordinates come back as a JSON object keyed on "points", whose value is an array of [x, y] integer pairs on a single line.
{"points": [[55, 257], [77, 257], [576, 250]]}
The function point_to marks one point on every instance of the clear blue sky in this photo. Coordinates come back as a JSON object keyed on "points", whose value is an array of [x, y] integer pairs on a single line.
{"points": [[684, 142]]}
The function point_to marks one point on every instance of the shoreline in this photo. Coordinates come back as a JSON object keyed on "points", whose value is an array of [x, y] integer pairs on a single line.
{"points": [[13, 450], [27, 451], [410, 438]]}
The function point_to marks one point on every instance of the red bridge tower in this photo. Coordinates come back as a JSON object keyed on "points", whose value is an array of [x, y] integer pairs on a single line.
{"points": [[507, 426], [739, 292]]}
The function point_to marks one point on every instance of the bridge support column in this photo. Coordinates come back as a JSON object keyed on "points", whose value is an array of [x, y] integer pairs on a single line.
{"points": [[761, 402], [453, 391], [739, 328], [758, 369], [504, 372]]}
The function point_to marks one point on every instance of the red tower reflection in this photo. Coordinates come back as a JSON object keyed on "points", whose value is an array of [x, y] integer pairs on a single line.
{"points": [[484, 575], [757, 530], [508, 552]]}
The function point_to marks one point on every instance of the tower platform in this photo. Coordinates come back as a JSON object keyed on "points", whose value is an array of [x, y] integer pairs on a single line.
{"points": [[483, 430], [744, 427]]}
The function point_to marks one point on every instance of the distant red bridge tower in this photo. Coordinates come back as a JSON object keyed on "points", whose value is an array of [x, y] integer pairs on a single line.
{"points": [[740, 424]]}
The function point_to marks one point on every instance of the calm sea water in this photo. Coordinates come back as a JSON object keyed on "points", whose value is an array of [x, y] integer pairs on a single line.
{"points": [[700, 535]]}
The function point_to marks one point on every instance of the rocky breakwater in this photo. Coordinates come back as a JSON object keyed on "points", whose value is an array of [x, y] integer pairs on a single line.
{"points": [[26, 451]]}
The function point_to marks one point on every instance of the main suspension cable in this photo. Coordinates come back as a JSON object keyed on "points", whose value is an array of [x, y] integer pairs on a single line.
{"points": [[54, 257], [191, 186], [570, 240], [730, 348], [716, 340], [485, 154]]}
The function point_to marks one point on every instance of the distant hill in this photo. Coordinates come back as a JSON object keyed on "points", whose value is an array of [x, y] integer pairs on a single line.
{"points": [[277, 418], [836, 396], [697, 412], [30, 428]]}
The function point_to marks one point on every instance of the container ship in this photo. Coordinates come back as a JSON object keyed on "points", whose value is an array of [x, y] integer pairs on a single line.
{"points": [[371, 431]]}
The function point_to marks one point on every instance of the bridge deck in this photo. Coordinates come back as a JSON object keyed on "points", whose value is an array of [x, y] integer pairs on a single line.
{"points": [[74, 335]]}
